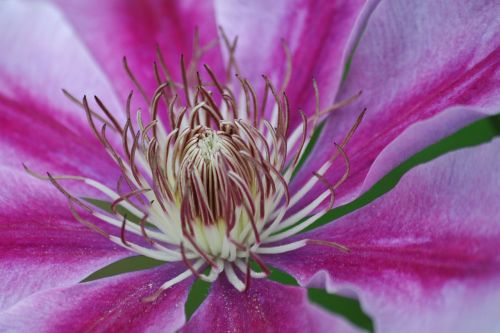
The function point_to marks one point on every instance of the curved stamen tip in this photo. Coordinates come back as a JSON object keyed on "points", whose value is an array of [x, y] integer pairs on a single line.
{"points": [[153, 297]]}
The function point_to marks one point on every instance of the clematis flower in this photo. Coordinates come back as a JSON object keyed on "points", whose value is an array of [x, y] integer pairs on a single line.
{"points": [[194, 153]]}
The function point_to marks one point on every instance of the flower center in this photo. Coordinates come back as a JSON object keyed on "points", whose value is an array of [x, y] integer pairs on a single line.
{"points": [[217, 186], [206, 175], [208, 163], [207, 146]]}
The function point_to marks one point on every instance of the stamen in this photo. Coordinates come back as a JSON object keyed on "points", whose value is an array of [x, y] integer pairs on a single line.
{"points": [[214, 79], [116, 125], [184, 82], [179, 278], [231, 48], [281, 248], [122, 232], [67, 194], [245, 268], [80, 104], [134, 80], [88, 224], [127, 196], [317, 112], [328, 243], [142, 224], [288, 68], [330, 187], [233, 278], [187, 262], [260, 263], [211, 184]]}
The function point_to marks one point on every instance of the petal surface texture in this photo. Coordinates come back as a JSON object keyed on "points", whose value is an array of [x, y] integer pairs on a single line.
{"points": [[112, 304], [133, 29], [320, 36], [266, 307], [42, 245], [40, 126], [416, 60], [423, 258]]}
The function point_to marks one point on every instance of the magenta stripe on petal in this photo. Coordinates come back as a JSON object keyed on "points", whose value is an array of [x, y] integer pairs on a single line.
{"points": [[114, 29], [33, 136], [266, 307], [46, 56], [426, 256], [39, 125], [41, 244], [416, 60], [112, 304]]}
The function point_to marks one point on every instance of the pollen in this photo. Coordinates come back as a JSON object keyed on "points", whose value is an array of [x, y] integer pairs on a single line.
{"points": [[206, 171], [209, 145]]}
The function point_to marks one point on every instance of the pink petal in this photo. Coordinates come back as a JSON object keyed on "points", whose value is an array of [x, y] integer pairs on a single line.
{"points": [[425, 257], [40, 126], [44, 57], [32, 136], [114, 29], [417, 59], [266, 307], [41, 244], [108, 305], [320, 35]]}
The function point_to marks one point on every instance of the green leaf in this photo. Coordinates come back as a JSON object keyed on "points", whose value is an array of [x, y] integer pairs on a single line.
{"points": [[349, 308], [308, 149], [126, 265], [198, 293]]}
